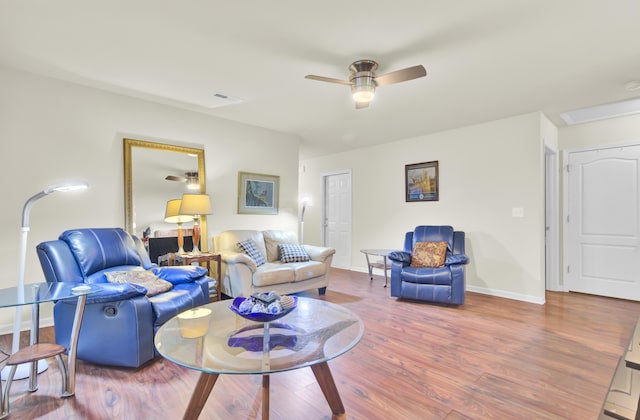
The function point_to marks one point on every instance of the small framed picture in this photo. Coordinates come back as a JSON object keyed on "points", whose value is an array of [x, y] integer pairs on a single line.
{"points": [[257, 193], [421, 181]]}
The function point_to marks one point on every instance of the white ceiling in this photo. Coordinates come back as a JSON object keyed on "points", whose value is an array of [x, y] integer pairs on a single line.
{"points": [[485, 59]]}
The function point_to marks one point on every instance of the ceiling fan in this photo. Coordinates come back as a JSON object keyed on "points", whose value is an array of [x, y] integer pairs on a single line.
{"points": [[363, 79], [190, 178]]}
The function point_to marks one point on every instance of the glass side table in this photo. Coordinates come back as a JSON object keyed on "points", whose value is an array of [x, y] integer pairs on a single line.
{"points": [[384, 265], [34, 295]]}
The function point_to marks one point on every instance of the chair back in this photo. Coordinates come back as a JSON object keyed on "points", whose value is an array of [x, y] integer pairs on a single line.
{"points": [[429, 234], [81, 255]]}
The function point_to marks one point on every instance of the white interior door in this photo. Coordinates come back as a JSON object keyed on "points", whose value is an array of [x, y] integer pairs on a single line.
{"points": [[603, 222], [337, 216]]}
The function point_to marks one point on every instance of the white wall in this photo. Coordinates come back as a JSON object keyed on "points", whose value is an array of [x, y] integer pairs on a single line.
{"points": [[485, 171], [622, 130], [53, 131]]}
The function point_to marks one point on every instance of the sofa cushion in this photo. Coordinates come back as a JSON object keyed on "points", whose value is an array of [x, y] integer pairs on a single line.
{"points": [[228, 240], [273, 273], [424, 275], [98, 249], [292, 253], [144, 278], [308, 270], [429, 254], [273, 238], [249, 248]]}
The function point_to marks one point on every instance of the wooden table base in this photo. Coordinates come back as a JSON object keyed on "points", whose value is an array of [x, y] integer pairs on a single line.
{"points": [[321, 371]]}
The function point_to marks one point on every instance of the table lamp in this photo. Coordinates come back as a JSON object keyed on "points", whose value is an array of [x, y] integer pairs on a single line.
{"points": [[195, 205], [23, 370], [172, 215]]}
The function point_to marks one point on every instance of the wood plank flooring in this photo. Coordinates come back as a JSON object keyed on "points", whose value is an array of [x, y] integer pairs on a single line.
{"points": [[491, 358]]}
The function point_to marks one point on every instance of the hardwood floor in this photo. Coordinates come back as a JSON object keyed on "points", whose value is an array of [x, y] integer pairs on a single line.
{"points": [[491, 358]]}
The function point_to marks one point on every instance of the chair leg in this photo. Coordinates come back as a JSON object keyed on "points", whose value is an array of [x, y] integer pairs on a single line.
{"points": [[5, 399], [64, 374]]}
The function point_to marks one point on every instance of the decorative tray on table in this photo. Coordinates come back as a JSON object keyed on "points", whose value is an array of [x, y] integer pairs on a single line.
{"points": [[263, 307]]}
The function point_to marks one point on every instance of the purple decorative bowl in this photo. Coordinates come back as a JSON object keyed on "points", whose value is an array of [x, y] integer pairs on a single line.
{"points": [[260, 316]]}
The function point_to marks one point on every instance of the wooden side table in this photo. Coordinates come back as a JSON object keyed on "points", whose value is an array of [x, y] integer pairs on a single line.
{"points": [[188, 259]]}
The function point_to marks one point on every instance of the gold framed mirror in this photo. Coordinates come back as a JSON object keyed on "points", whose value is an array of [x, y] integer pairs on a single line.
{"points": [[155, 173]]}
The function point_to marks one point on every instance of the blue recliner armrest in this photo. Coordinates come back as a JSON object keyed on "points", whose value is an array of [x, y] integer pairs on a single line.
{"points": [[456, 259], [180, 274], [400, 257]]}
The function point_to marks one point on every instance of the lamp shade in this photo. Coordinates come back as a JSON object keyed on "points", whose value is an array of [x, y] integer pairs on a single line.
{"points": [[172, 212], [195, 204]]}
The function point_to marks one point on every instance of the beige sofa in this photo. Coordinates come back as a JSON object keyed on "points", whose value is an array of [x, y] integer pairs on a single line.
{"points": [[242, 277]]}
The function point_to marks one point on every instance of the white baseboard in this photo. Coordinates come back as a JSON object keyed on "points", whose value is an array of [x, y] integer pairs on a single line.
{"points": [[26, 325], [483, 290], [506, 294]]}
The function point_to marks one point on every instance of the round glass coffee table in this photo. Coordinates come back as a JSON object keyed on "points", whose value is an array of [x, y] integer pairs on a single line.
{"points": [[226, 343]]}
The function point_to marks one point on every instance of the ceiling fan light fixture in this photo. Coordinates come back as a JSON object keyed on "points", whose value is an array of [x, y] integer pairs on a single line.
{"points": [[363, 89]]}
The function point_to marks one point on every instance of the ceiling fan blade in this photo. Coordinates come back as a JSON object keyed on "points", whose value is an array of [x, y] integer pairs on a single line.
{"points": [[403, 75], [176, 178], [360, 105], [327, 79]]}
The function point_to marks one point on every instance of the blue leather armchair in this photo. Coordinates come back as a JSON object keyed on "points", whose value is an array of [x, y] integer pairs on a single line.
{"points": [[444, 284], [120, 321]]}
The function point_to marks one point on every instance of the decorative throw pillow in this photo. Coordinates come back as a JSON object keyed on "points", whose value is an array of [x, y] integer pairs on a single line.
{"points": [[249, 248], [429, 254], [292, 253], [146, 279]]}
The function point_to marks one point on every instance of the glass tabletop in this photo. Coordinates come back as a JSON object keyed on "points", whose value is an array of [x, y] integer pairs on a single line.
{"points": [[314, 332], [42, 292], [377, 252]]}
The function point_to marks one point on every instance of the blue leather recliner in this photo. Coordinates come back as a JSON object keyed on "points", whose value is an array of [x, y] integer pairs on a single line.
{"points": [[444, 284], [120, 321]]}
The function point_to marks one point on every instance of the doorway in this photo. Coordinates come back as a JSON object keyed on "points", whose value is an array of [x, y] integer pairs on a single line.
{"points": [[336, 225], [551, 237], [603, 222]]}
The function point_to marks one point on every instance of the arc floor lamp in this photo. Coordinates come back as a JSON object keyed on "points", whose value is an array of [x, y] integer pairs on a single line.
{"points": [[23, 370]]}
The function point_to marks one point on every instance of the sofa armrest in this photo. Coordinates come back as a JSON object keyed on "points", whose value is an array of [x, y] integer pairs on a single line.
{"points": [[180, 274], [319, 253], [230, 257]]}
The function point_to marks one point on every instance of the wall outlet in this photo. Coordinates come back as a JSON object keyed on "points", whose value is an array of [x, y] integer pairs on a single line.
{"points": [[517, 212]]}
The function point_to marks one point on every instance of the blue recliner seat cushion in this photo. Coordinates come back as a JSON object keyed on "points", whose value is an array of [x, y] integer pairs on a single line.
{"points": [[423, 275], [180, 298]]}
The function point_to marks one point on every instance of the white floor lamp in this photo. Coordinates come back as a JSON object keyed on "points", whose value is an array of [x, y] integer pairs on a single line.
{"points": [[24, 369], [306, 201]]}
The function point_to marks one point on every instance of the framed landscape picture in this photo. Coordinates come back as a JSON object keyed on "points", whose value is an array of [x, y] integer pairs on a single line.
{"points": [[257, 193], [421, 181]]}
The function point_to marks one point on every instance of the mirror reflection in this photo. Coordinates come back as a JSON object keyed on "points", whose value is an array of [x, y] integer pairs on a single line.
{"points": [[154, 174]]}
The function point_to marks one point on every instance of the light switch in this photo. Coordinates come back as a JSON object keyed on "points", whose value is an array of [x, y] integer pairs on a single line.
{"points": [[517, 212]]}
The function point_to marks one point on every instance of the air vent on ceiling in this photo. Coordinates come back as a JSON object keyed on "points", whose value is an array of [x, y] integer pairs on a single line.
{"points": [[220, 99]]}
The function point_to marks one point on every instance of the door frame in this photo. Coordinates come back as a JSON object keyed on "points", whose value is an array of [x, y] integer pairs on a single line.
{"points": [[565, 199], [323, 184], [552, 239]]}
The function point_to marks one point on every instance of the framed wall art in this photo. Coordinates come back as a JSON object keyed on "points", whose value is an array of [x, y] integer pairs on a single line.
{"points": [[258, 193], [421, 181]]}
